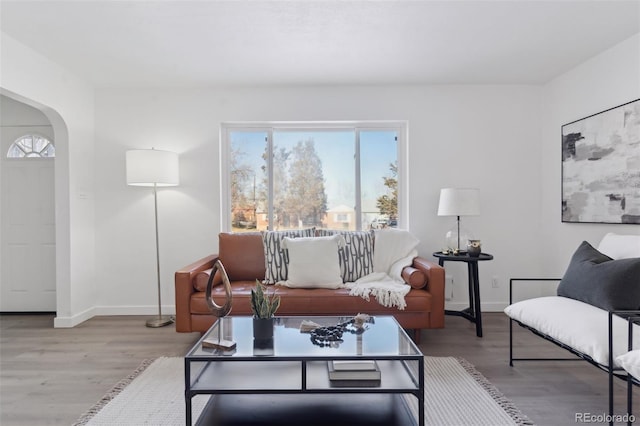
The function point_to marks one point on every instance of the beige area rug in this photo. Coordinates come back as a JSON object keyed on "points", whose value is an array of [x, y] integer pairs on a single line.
{"points": [[455, 394]]}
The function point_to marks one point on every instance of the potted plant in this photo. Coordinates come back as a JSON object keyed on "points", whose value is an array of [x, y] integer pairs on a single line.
{"points": [[263, 307]]}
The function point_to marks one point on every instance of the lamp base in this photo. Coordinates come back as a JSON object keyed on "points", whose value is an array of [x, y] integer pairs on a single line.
{"points": [[159, 322], [457, 241]]}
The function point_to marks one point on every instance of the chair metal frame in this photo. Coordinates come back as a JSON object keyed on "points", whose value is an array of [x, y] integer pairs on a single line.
{"points": [[633, 316]]}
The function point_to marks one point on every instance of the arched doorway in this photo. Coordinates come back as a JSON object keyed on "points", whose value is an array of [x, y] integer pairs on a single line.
{"points": [[27, 210]]}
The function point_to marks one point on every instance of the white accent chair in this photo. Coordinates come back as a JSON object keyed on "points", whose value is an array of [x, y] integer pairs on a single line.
{"points": [[593, 334]]}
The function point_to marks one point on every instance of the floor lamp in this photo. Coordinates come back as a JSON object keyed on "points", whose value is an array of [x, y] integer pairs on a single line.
{"points": [[458, 202], [153, 168]]}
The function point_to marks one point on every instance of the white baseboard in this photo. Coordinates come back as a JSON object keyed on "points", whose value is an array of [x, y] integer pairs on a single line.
{"points": [[72, 321], [134, 310]]}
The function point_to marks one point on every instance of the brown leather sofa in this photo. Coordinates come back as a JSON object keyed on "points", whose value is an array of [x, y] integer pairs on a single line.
{"points": [[242, 255]]}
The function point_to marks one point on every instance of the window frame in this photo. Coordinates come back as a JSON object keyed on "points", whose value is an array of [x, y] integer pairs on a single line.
{"points": [[399, 126], [27, 157]]}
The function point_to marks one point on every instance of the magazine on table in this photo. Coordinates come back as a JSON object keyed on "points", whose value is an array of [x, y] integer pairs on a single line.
{"points": [[368, 372]]}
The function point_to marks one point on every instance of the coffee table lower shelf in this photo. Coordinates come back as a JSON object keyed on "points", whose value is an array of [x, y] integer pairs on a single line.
{"points": [[338, 409]]}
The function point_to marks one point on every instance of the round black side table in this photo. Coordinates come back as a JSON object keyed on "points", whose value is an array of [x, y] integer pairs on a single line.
{"points": [[472, 313]]}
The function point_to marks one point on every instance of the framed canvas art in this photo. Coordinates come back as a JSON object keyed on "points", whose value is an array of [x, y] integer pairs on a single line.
{"points": [[601, 167]]}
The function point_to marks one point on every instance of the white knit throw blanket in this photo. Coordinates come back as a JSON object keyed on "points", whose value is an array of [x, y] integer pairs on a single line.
{"points": [[394, 250], [387, 292]]}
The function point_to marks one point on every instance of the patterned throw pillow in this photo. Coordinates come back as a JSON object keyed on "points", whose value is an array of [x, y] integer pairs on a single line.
{"points": [[276, 258], [356, 257]]}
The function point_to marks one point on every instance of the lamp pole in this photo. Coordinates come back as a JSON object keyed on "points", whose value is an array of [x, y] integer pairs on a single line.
{"points": [[160, 321], [458, 233]]}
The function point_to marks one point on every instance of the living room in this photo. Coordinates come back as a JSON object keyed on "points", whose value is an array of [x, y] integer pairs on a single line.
{"points": [[492, 123]]}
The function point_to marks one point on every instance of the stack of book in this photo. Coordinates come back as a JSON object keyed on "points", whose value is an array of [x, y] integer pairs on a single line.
{"points": [[354, 373]]}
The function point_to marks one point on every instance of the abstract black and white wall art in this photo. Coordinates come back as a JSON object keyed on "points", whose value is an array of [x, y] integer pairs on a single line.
{"points": [[601, 167]]}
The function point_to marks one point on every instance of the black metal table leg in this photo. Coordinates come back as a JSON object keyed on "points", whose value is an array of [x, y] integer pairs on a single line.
{"points": [[473, 266], [472, 292], [473, 312]]}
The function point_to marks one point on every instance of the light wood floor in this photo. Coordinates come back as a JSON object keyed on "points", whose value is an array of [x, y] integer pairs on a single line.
{"points": [[51, 376]]}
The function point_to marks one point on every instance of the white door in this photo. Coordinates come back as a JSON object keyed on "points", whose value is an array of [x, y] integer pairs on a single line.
{"points": [[28, 275]]}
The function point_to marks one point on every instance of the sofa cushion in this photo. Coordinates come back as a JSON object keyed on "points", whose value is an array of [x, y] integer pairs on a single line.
{"points": [[275, 257], [313, 262], [620, 246], [242, 255], [576, 324], [356, 257], [315, 301], [595, 278]]}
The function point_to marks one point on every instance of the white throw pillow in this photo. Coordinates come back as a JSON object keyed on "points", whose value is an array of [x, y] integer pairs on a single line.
{"points": [[313, 262], [630, 362], [618, 246]]}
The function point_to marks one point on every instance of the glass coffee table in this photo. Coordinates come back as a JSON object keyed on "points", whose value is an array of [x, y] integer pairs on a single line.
{"points": [[286, 381]]}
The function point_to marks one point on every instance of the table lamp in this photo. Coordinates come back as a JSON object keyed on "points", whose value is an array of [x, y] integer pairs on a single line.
{"points": [[458, 202]]}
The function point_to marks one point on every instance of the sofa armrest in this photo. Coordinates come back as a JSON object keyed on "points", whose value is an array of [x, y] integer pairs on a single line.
{"points": [[435, 286], [184, 289]]}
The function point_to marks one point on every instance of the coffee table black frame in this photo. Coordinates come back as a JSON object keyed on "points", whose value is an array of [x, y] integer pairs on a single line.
{"points": [[294, 365], [473, 312]]}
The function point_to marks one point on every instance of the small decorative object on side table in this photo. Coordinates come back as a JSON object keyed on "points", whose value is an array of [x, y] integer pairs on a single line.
{"points": [[473, 248], [472, 313]]}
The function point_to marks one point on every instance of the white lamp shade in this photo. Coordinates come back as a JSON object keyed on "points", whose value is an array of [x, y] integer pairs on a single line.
{"points": [[459, 202], [146, 167]]}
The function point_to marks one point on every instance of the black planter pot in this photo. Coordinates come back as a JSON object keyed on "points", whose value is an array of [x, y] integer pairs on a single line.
{"points": [[263, 328], [263, 347]]}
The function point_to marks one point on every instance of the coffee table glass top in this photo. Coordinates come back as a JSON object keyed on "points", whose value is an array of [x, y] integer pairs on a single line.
{"points": [[382, 338]]}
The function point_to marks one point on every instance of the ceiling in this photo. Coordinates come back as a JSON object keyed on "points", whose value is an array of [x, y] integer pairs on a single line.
{"points": [[228, 43]]}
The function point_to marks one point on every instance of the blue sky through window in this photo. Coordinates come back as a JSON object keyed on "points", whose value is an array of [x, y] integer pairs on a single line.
{"points": [[336, 149]]}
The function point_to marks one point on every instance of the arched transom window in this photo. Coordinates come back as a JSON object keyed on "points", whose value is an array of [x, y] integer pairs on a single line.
{"points": [[31, 146]]}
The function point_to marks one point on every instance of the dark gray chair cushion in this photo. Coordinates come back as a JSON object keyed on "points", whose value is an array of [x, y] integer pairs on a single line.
{"points": [[598, 280]]}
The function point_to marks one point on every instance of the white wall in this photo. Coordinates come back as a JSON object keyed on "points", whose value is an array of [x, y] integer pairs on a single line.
{"points": [[502, 139], [68, 103], [458, 136], [605, 81], [14, 113]]}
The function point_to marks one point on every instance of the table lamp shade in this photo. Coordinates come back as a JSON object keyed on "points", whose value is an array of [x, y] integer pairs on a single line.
{"points": [[146, 167], [459, 202]]}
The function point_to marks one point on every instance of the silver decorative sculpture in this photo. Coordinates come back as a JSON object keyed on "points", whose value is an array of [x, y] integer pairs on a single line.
{"points": [[220, 311]]}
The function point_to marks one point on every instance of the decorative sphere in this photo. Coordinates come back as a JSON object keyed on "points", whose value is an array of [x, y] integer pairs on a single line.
{"points": [[455, 243]]}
